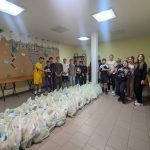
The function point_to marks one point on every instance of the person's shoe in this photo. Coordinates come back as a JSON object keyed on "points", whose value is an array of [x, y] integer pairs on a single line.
{"points": [[138, 104], [113, 92], [123, 102], [129, 98], [135, 101], [106, 92], [119, 99], [35, 93]]}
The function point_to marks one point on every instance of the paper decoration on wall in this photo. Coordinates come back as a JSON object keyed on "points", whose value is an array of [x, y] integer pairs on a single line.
{"points": [[7, 62], [23, 54], [14, 49], [11, 62]]}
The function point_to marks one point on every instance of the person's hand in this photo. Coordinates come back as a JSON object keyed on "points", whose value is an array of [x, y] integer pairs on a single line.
{"points": [[142, 82]]}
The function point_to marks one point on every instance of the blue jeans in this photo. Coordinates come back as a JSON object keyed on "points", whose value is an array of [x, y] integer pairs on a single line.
{"points": [[72, 80]]}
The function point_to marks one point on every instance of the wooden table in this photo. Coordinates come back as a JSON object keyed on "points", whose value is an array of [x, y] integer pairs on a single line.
{"points": [[5, 81]]}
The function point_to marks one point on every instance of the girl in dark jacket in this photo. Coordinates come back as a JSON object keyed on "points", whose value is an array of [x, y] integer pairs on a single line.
{"points": [[140, 76]]}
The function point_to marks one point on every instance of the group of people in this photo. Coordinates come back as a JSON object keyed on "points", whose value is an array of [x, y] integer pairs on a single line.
{"points": [[126, 77], [58, 75]]}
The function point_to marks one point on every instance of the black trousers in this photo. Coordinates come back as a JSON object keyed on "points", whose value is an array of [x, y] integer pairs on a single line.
{"points": [[79, 80], [120, 89], [49, 83], [84, 79], [138, 89], [112, 81]]}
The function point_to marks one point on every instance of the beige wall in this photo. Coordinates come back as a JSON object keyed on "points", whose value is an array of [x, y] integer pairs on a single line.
{"points": [[123, 48], [66, 51]]}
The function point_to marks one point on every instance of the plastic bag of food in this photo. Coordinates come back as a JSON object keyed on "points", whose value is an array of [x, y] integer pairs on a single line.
{"points": [[50, 118], [41, 126]]}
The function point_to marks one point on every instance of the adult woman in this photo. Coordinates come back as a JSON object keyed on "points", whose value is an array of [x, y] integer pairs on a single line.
{"points": [[140, 76], [130, 79]]}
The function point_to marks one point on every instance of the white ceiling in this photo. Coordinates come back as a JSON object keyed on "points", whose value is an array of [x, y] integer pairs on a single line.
{"points": [[74, 16]]}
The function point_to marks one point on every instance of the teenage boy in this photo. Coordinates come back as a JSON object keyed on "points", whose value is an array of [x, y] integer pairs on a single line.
{"points": [[72, 73], [52, 65], [122, 74], [65, 74], [104, 75], [78, 73], [58, 73], [84, 72], [48, 77], [37, 75], [111, 63]]}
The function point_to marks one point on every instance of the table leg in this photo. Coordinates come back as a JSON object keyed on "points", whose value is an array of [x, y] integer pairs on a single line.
{"points": [[3, 91], [14, 89]]}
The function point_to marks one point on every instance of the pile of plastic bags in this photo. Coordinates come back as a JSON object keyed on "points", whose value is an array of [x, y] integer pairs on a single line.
{"points": [[33, 121]]}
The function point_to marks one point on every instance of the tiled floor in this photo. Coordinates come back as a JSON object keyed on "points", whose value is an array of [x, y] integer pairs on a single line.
{"points": [[105, 124]]}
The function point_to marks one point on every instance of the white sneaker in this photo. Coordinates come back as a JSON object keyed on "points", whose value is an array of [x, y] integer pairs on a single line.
{"points": [[138, 104], [39, 91], [35, 92], [135, 101], [113, 92]]}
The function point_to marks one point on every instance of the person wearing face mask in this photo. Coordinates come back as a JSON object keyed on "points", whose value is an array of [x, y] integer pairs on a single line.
{"points": [[140, 73]]}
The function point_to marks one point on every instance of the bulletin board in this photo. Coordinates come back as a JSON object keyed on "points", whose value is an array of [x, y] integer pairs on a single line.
{"points": [[16, 62]]}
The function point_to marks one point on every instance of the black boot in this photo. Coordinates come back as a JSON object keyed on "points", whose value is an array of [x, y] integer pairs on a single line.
{"points": [[123, 97], [106, 92], [102, 89]]}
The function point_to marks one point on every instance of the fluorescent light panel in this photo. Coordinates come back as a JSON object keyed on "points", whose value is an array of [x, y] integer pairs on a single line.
{"points": [[104, 15], [83, 38], [10, 8]]}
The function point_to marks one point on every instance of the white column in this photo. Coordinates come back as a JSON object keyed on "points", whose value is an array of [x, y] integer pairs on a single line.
{"points": [[94, 57]]}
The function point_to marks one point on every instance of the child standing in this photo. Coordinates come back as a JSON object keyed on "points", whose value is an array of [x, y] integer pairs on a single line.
{"points": [[118, 66], [104, 75], [58, 73], [122, 74], [78, 73], [48, 77], [130, 79], [65, 74], [84, 73], [37, 76], [72, 73]]}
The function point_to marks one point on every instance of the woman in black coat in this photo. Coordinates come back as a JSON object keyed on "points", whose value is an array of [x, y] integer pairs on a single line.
{"points": [[140, 76]]}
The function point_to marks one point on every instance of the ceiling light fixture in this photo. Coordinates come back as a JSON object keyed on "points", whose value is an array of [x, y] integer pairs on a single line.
{"points": [[83, 38], [10, 8], [104, 15]]}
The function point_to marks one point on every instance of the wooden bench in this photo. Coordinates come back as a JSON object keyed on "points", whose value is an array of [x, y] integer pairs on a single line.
{"points": [[5, 81]]}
